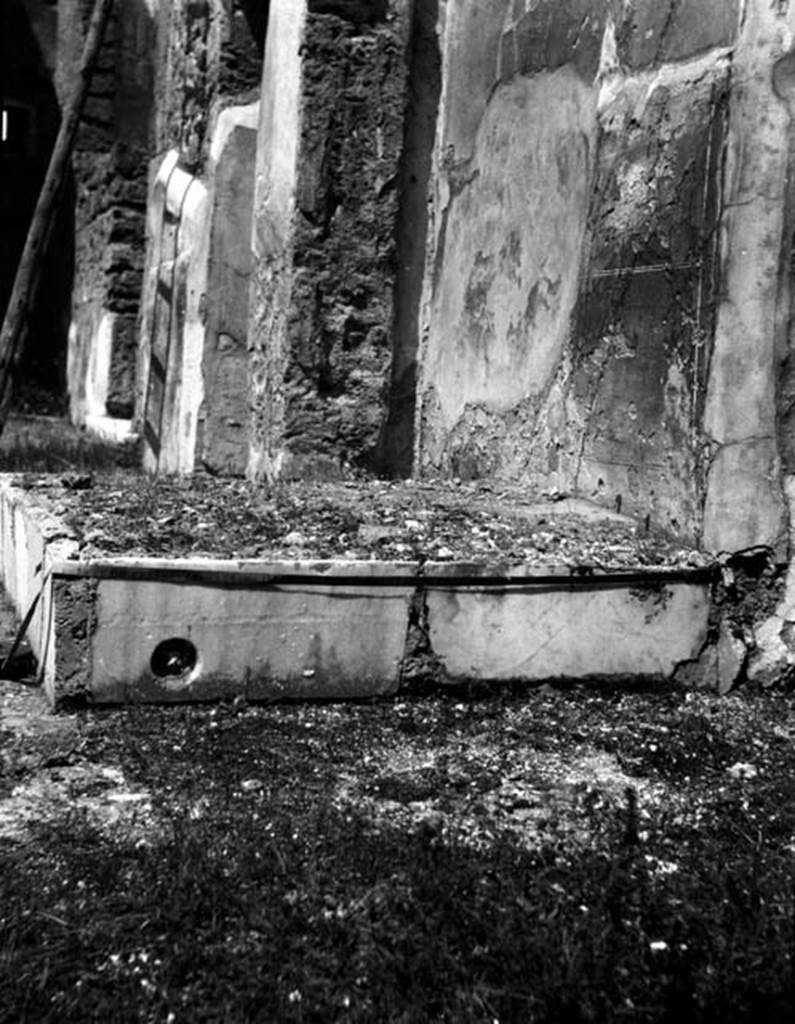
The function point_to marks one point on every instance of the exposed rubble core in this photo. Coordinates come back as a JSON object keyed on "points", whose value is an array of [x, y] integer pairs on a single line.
{"points": [[396, 446], [74, 602], [110, 169], [475, 523], [164, 74], [322, 301]]}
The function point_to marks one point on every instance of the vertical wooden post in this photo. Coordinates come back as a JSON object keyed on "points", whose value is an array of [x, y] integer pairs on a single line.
{"points": [[16, 316]]}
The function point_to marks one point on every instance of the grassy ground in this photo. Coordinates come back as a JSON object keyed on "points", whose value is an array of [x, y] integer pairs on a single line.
{"points": [[50, 444], [552, 855]]}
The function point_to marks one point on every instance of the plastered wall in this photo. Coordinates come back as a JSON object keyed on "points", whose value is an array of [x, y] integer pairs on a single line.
{"points": [[573, 269]]}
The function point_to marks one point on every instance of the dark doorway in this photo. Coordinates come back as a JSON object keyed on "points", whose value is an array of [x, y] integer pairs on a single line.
{"points": [[256, 12], [29, 120]]}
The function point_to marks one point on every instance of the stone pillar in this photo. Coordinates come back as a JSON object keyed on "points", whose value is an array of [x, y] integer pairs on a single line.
{"points": [[225, 415], [173, 322], [193, 382], [514, 165], [744, 505], [330, 142], [110, 167]]}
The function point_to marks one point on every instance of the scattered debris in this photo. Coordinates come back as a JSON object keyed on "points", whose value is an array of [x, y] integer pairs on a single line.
{"points": [[205, 516]]}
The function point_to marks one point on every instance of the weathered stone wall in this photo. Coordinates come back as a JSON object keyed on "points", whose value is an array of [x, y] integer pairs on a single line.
{"points": [[331, 137], [572, 282], [110, 168], [744, 500], [750, 492], [193, 382], [165, 73]]}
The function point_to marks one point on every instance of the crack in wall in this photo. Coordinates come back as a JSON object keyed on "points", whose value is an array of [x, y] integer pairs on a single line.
{"points": [[396, 445]]}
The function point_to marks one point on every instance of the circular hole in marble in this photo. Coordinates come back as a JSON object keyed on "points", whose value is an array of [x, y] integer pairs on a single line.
{"points": [[173, 657]]}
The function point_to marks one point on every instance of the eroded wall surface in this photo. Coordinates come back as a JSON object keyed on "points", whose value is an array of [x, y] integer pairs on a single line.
{"points": [[208, 58], [745, 409], [193, 402], [110, 169], [573, 266], [331, 137]]}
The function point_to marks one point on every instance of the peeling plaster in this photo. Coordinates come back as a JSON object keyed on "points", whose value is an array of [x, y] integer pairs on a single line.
{"points": [[582, 365], [511, 246], [744, 506]]}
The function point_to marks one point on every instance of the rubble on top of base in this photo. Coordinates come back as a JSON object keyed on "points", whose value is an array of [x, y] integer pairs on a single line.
{"points": [[125, 514]]}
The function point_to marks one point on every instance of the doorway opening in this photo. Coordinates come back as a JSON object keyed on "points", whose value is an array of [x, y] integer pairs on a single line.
{"points": [[29, 121]]}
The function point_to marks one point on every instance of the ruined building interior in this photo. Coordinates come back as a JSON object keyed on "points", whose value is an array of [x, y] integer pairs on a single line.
{"points": [[529, 240]]}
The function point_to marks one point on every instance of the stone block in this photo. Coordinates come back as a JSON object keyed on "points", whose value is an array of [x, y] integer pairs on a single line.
{"points": [[264, 642], [567, 630], [173, 333], [731, 659]]}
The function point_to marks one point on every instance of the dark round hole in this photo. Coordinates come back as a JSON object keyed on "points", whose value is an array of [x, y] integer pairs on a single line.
{"points": [[173, 657]]}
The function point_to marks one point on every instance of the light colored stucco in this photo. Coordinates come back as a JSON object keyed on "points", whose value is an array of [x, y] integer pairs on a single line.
{"points": [[571, 269], [510, 246], [173, 322], [274, 206], [744, 505], [564, 634]]}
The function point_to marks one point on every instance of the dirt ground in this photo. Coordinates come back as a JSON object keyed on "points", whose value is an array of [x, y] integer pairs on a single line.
{"points": [[400, 860]]}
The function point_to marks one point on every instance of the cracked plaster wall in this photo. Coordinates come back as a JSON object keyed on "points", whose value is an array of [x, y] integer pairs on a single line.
{"points": [[744, 501], [750, 499], [571, 282]]}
